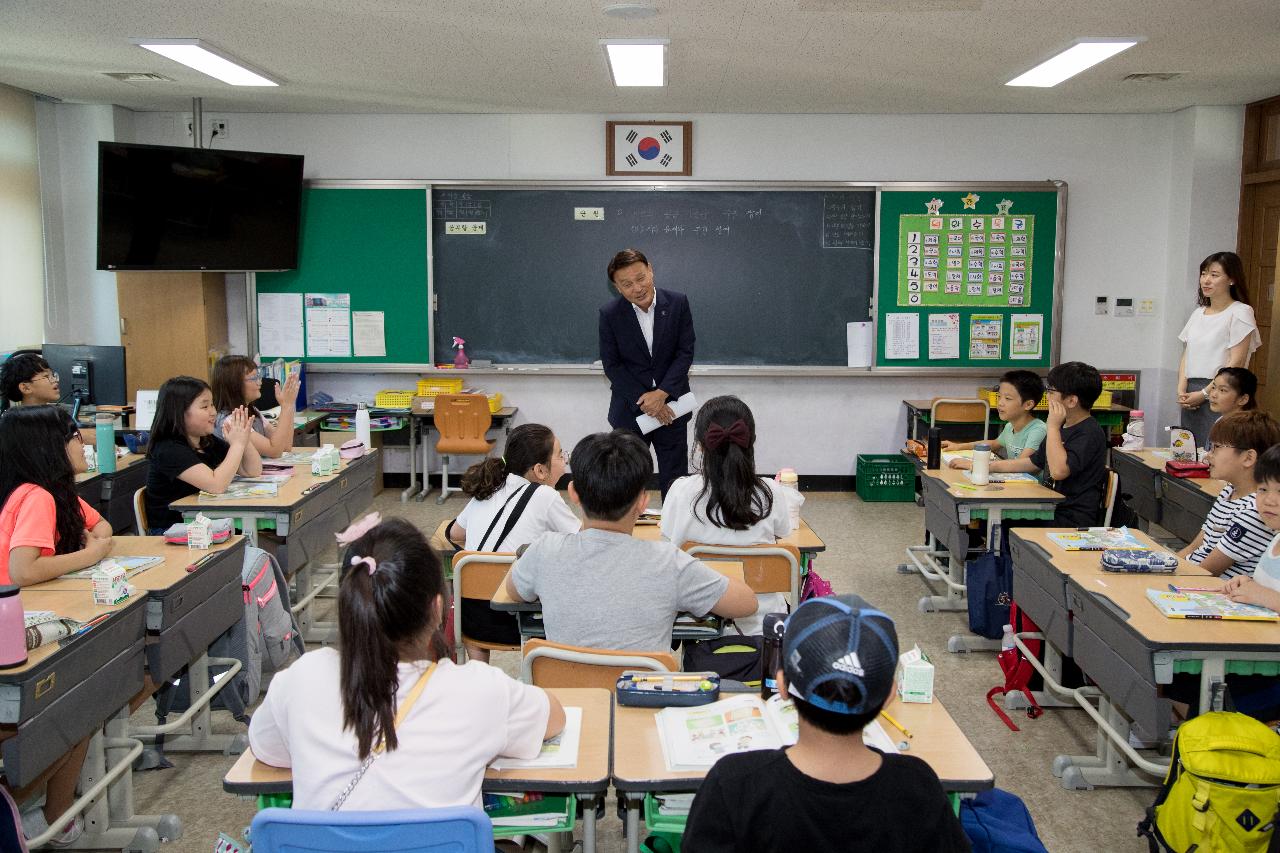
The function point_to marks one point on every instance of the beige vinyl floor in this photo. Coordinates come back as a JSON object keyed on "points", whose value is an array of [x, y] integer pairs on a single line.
{"points": [[865, 544]]}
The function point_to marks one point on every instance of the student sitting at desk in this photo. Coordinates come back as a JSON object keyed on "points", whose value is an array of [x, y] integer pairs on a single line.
{"points": [[1233, 536], [1234, 389], [603, 587], [513, 501], [1075, 447], [26, 378], [829, 791], [237, 383], [726, 502], [387, 720], [186, 457], [46, 528], [1018, 395]]}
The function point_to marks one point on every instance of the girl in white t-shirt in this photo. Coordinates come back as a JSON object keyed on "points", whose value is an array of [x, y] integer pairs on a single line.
{"points": [[1221, 332], [513, 501], [388, 699], [725, 502]]}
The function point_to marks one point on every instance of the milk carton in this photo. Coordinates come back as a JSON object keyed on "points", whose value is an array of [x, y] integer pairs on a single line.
{"points": [[109, 585], [200, 533], [915, 677]]}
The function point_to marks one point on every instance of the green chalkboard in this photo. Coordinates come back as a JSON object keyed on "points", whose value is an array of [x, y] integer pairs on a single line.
{"points": [[371, 244], [967, 277]]}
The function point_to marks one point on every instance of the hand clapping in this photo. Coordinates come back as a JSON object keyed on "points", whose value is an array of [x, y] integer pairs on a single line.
{"points": [[235, 429]]}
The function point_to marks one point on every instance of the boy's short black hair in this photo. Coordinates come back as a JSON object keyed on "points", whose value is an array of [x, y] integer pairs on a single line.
{"points": [[1268, 468], [610, 470], [1028, 385], [1078, 378], [829, 721], [22, 366]]}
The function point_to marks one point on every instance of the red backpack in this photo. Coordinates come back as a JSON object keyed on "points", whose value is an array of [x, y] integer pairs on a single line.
{"points": [[1017, 670]]}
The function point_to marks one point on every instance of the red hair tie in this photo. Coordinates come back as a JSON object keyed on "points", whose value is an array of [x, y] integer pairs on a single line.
{"points": [[718, 435]]}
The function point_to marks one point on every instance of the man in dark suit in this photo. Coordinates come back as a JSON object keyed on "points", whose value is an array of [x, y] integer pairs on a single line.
{"points": [[646, 345]]}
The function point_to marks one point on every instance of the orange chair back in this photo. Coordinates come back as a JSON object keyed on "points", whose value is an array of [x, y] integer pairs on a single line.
{"points": [[462, 420], [554, 672], [763, 572], [479, 580], [960, 412]]}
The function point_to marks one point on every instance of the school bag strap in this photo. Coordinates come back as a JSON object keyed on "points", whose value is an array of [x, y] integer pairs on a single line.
{"points": [[525, 495]]}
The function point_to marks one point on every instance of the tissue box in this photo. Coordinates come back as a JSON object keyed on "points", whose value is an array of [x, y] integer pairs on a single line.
{"points": [[109, 585], [915, 677]]}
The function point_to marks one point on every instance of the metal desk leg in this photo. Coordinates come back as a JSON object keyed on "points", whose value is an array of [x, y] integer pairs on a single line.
{"points": [[111, 822], [424, 446], [635, 802], [1046, 698], [588, 821], [925, 559], [194, 727], [250, 528], [304, 595], [413, 460], [1110, 766], [1213, 672]]}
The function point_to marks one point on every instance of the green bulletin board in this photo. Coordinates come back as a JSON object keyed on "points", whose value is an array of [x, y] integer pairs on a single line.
{"points": [[967, 277], [371, 244]]}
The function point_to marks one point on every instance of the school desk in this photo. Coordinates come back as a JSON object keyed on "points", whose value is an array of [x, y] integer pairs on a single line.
{"points": [[306, 427], [588, 781], [920, 415], [639, 767], [1140, 473], [111, 494], [951, 502], [305, 514], [1186, 504], [420, 426], [529, 613]]}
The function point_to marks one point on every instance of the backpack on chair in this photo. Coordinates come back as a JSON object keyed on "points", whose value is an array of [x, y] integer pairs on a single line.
{"points": [[1222, 791]]}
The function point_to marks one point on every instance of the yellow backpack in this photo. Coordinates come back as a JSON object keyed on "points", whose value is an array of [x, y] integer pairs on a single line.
{"points": [[1222, 791]]}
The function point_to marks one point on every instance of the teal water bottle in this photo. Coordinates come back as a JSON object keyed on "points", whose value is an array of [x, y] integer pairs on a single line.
{"points": [[104, 429]]}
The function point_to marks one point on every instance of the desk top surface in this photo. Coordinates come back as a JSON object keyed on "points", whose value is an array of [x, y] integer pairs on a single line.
{"points": [[121, 463], [804, 538], [154, 579], [1129, 595], [959, 487], [75, 604], [1089, 563], [639, 765], [248, 775], [926, 405], [288, 494]]}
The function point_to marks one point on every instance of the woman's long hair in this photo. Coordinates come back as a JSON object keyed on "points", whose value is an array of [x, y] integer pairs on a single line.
{"points": [[33, 449], [1234, 268], [170, 422], [736, 496], [382, 608], [528, 445], [227, 383]]}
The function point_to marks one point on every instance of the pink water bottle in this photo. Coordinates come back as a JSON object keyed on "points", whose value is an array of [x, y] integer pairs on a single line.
{"points": [[13, 631]]}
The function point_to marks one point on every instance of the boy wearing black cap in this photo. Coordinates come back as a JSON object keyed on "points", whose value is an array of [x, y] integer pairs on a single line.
{"points": [[830, 791]]}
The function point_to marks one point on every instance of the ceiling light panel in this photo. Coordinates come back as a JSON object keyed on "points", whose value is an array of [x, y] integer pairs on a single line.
{"points": [[637, 62], [1082, 55], [207, 59]]}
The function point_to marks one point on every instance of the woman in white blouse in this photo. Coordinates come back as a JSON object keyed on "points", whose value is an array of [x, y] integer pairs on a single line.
{"points": [[1221, 333]]}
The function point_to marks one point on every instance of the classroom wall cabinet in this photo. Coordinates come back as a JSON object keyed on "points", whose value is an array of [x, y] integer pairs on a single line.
{"points": [[169, 324]]}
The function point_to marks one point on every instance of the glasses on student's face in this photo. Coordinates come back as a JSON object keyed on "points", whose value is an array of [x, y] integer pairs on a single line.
{"points": [[51, 376], [253, 377], [76, 436], [1215, 447]]}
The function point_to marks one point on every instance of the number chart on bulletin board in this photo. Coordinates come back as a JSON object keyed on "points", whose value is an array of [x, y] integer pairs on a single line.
{"points": [[967, 277]]}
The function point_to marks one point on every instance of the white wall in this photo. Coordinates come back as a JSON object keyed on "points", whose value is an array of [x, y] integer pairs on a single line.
{"points": [[21, 234], [1149, 195]]}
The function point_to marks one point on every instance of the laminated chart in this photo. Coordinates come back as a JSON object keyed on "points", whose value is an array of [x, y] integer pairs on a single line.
{"points": [[972, 260]]}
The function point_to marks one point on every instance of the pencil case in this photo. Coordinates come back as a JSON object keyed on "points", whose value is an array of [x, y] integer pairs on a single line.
{"points": [[353, 449], [646, 689], [219, 531], [1138, 560], [1186, 469]]}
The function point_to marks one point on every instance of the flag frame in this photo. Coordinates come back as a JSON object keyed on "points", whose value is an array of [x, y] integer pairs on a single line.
{"points": [[683, 154]]}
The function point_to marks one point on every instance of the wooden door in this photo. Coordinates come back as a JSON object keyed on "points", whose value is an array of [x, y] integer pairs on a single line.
{"points": [[1258, 238], [170, 322]]}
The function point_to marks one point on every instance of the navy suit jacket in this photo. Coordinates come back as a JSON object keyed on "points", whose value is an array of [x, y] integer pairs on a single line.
{"points": [[627, 363]]}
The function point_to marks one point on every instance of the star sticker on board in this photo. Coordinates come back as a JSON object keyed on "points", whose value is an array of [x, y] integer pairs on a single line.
{"points": [[1002, 208], [934, 205], [971, 201]]}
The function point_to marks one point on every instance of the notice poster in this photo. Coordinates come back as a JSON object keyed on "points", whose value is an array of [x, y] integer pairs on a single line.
{"points": [[901, 336], [328, 325], [944, 336], [368, 331], [280, 325], [1026, 336], [976, 260], [986, 334]]}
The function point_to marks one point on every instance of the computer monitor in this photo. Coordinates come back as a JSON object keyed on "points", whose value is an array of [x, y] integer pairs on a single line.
{"points": [[89, 374]]}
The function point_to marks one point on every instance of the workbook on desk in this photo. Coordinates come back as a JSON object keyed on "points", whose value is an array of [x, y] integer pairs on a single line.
{"points": [[131, 566], [1096, 539], [297, 457], [559, 751], [239, 490], [1193, 604], [695, 738]]}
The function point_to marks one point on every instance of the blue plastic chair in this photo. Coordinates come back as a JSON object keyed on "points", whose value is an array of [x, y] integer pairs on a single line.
{"points": [[456, 829]]}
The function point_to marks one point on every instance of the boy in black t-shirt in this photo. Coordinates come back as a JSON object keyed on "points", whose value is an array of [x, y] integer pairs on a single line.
{"points": [[1075, 447], [830, 791]]}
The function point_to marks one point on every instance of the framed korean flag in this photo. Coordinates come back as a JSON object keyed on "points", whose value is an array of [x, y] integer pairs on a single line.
{"points": [[648, 147]]}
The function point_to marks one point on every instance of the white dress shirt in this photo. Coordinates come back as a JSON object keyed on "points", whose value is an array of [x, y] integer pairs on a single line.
{"points": [[646, 320]]}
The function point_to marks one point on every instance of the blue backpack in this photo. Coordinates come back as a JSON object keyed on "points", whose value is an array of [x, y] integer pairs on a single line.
{"points": [[989, 589], [998, 822]]}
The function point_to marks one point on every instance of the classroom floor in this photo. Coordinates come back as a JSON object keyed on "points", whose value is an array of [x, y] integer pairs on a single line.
{"points": [[865, 543]]}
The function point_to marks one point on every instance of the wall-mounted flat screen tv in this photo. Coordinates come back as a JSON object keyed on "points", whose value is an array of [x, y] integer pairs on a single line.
{"points": [[168, 208]]}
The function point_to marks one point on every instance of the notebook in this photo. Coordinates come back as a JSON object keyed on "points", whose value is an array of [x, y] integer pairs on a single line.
{"points": [[1207, 605]]}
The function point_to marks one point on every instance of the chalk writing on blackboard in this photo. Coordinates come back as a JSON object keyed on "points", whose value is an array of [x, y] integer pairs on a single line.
{"points": [[848, 221]]}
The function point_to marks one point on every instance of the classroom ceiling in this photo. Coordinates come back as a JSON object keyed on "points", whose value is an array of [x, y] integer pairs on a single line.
{"points": [[726, 56]]}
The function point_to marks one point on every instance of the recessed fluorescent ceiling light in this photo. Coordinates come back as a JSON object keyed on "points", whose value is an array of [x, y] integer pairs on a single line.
{"points": [[637, 62], [1085, 53], [206, 59]]}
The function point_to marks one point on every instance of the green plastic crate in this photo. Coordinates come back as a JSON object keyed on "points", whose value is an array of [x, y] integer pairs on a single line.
{"points": [[665, 830], [886, 477]]}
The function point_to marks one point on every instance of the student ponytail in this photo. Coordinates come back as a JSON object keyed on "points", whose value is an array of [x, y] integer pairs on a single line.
{"points": [[736, 497], [387, 605], [527, 445]]}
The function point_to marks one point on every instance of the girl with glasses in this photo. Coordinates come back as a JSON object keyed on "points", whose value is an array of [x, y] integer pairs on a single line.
{"points": [[236, 382]]}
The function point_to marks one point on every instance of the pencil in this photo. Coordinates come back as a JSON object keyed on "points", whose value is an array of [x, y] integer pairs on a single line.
{"points": [[897, 725]]}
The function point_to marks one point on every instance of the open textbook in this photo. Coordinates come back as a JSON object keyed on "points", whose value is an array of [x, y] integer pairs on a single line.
{"points": [[131, 566], [242, 490], [559, 751], [695, 738]]}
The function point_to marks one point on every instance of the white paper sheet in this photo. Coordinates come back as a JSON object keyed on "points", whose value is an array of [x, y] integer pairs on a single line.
{"points": [[944, 336], [280, 324], [1026, 335], [682, 406], [560, 751], [901, 336], [328, 324], [368, 333], [859, 338], [146, 408]]}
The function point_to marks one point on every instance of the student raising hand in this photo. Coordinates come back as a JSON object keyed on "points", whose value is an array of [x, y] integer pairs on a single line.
{"points": [[287, 394]]}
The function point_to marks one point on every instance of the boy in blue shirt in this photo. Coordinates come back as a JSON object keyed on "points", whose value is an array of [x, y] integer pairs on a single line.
{"points": [[1023, 434]]}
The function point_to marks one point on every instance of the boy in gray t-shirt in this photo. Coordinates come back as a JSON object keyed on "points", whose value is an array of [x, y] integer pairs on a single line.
{"points": [[602, 587]]}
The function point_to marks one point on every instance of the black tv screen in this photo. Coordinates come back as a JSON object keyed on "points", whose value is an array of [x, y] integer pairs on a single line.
{"points": [[166, 208]]}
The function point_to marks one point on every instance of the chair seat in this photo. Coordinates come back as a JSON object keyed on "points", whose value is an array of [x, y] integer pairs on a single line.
{"points": [[478, 447]]}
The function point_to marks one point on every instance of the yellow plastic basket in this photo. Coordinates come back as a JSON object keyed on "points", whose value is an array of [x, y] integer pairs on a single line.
{"points": [[1103, 401], [432, 387], [495, 403], [391, 399]]}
